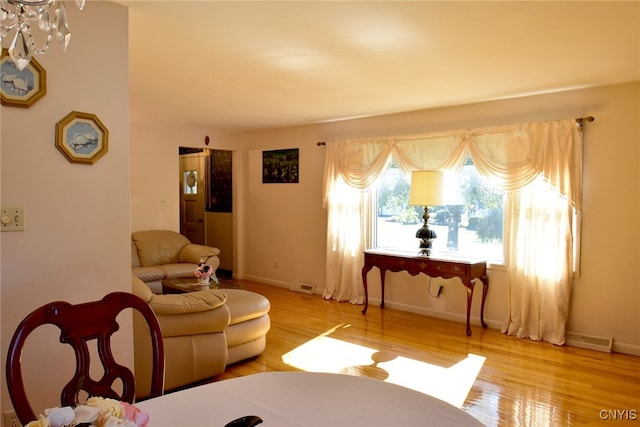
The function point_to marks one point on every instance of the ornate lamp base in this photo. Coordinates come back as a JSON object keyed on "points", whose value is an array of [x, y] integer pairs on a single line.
{"points": [[425, 235]]}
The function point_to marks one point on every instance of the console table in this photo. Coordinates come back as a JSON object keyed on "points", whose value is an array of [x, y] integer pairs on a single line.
{"points": [[468, 270]]}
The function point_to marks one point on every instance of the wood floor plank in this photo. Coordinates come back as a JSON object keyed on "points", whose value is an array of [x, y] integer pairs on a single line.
{"points": [[521, 383]]}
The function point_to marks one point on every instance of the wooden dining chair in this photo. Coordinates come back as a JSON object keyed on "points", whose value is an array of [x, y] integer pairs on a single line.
{"points": [[80, 324]]}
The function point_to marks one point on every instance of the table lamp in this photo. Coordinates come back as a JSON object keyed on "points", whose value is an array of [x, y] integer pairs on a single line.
{"points": [[426, 190]]}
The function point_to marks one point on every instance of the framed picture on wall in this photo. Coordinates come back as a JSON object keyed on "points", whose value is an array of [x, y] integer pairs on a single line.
{"points": [[21, 88], [280, 166], [82, 138]]}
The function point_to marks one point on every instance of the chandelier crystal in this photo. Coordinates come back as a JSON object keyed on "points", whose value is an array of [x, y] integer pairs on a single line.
{"points": [[21, 19]]}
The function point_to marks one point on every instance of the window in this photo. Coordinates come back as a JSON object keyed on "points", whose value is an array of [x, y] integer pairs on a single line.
{"points": [[469, 225], [190, 182]]}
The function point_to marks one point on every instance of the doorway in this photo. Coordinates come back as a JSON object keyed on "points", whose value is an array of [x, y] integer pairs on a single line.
{"points": [[192, 195], [206, 208]]}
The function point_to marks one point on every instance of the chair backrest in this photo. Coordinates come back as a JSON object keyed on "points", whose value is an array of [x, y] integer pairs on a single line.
{"points": [[80, 324]]}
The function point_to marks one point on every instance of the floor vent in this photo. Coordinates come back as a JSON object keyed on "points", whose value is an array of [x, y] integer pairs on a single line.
{"points": [[304, 288], [592, 343]]}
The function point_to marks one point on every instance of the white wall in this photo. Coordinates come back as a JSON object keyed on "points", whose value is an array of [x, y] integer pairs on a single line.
{"points": [[287, 223], [76, 246], [606, 299], [79, 217], [155, 171]]}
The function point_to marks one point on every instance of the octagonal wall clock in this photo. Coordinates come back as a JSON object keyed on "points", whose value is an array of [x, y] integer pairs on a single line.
{"points": [[82, 137], [21, 88]]}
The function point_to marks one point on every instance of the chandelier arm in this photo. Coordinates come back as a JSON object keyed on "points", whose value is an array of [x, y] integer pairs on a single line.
{"points": [[28, 2], [20, 16]]}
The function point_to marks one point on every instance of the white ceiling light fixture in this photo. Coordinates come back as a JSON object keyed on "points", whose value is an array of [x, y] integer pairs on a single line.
{"points": [[18, 18]]}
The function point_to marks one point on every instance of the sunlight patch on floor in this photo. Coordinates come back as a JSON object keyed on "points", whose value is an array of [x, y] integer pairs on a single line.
{"points": [[326, 354]]}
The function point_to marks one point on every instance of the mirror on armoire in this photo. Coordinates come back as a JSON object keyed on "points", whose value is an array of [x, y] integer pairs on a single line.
{"points": [[206, 201]]}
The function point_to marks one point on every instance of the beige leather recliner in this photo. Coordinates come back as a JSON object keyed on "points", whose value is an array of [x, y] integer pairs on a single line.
{"points": [[193, 330], [202, 331]]}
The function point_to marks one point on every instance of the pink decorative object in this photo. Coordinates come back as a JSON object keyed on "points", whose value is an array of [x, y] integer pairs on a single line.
{"points": [[96, 412], [204, 273], [132, 413]]}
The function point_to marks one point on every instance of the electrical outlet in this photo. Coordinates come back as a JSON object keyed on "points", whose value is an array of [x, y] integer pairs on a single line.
{"points": [[11, 419]]}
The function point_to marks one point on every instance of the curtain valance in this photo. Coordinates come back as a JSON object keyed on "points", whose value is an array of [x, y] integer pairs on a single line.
{"points": [[510, 156]]}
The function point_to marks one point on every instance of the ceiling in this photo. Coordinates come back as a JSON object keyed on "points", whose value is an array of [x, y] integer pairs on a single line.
{"points": [[263, 64]]}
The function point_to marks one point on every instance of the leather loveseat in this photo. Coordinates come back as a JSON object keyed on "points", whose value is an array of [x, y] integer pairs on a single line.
{"points": [[202, 331], [159, 254]]}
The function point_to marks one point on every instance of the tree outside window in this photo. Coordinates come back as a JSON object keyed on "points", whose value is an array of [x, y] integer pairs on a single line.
{"points": [[470, 224]]}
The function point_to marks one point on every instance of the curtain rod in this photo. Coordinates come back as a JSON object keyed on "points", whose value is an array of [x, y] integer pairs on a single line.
{"points": [[580, 121]]}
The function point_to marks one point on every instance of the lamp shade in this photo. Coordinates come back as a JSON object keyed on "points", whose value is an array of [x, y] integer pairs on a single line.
{"points": [[426, 188]]}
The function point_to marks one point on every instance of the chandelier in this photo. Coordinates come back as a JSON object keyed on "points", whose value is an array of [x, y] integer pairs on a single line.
{"points": [[18, 20]]}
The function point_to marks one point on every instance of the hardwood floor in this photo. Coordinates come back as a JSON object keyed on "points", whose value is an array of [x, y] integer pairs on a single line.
{"points": [[519, 383]]}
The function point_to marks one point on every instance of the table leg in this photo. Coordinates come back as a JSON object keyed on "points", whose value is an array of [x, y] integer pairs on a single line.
{"points": [[382, 275], [469, 287], [365, 270], [485, 288]]}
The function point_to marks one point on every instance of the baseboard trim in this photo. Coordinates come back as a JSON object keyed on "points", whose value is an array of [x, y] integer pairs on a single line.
{"points": [[259, 279], [631, 349], [454, 317], [618, 347]]}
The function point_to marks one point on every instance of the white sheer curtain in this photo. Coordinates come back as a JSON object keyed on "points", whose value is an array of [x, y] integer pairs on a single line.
{"points": [[347, 226], [539, 258], [514, 158]]}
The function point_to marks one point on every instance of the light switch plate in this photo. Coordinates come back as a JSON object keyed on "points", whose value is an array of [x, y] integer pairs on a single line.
{"points": [[12, 219]]}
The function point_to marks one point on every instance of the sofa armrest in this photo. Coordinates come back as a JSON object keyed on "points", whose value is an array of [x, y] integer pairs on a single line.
{"points": [[176, 304], [192, 302], [193, 253], [140, 289], [192, 324], [194, 313], [186, 314]]}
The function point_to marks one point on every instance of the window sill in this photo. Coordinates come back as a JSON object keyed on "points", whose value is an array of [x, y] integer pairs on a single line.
{"points": [[496, 267]]}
